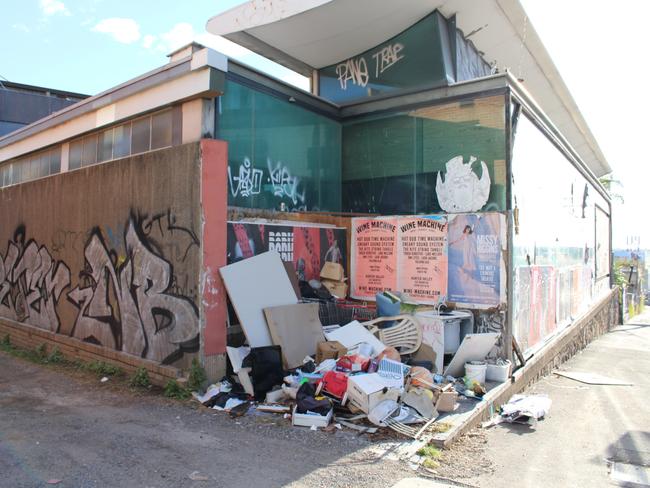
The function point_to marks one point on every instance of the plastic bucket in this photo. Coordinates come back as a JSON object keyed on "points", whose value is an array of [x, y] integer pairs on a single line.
{"points": [[498, 373], [475, 371]]}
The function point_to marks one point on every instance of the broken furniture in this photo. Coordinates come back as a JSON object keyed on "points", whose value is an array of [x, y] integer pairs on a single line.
{"points": [[405, 335]]}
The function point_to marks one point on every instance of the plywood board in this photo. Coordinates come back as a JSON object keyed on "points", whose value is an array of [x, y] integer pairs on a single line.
{"points": [[253, 285], [475, 347], [592, 378], [296, 329]]}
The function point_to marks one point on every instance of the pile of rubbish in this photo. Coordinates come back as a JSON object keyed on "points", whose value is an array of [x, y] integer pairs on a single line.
{"points": [[360, 375]]}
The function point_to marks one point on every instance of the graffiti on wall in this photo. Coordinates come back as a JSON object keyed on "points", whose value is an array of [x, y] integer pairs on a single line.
{"points": [[248, 181], [357, 71], [125, 297], [31, 283]]}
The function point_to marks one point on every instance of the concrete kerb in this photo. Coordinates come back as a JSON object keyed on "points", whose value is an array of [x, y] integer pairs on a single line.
{"points": [[571, 340], [27, 336]]}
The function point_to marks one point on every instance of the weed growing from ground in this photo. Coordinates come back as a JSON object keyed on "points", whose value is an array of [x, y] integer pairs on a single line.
{"points": [[140, 379], [197, 377], [174, 390]]}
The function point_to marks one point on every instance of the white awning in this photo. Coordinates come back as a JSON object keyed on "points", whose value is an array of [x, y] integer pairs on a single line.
{"points": [[311, 34]]}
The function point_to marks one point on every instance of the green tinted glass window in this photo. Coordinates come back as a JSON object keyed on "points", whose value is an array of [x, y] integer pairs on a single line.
{"points": [[280, 155], [393, 164]]}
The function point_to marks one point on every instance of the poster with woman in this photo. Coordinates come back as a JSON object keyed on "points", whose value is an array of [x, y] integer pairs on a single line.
{"points": [[476, 270]]}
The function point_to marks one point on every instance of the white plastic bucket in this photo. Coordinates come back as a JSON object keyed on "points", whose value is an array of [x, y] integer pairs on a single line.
{"points": [[475, 371], [498, 373]]}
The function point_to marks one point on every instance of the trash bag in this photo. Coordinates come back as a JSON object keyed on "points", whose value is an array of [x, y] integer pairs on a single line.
{"points": [[267, 372]]}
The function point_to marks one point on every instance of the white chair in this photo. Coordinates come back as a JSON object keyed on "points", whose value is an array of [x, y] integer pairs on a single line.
{"points": [[405, 335]]}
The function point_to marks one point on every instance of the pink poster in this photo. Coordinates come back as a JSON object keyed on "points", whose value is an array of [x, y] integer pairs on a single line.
{"points": [[422, 258], [374, 257], [407, 254]]}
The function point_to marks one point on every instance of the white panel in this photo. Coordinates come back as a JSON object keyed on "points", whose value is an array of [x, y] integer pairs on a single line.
{"points": [[255, 284]]}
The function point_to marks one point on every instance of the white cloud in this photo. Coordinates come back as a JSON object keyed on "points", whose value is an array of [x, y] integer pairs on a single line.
{"points": [[148, 41], [178, 36], [51, 7], [183, 33], [123, 30]]}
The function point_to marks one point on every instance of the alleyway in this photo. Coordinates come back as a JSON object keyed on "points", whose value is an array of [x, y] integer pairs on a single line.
{"points": [[588, 424], [70, 427]]}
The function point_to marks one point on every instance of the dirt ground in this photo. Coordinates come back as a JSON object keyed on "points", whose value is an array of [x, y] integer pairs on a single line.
{"points": [[56, 424]]}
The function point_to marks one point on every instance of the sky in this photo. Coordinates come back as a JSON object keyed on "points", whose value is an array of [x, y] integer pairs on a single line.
{"points": [[598, 47]]}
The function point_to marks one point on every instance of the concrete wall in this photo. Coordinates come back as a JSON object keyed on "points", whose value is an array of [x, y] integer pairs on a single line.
{"points": [[113, 254]]}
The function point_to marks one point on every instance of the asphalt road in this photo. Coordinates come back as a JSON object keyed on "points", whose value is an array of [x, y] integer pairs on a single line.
{"points": [[55, 425], [60, 425]]}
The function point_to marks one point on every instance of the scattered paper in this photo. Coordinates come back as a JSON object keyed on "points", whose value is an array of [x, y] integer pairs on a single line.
{"points": [[197, 476], [230, 403], [104, 379], [522, 407]]}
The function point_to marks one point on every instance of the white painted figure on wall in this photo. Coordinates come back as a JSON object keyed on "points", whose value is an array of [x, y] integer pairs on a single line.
{"points": [[462, 190]]}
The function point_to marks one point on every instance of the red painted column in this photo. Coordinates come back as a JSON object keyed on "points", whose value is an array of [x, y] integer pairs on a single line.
{"points": [[214, 202]]}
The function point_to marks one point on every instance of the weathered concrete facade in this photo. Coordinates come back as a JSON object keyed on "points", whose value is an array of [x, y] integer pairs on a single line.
{"points": [[113, 254]]}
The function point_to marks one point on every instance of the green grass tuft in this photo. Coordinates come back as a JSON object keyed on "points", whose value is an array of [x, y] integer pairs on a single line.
{"points": [[197, 377], [174, 390], [140, 379]]}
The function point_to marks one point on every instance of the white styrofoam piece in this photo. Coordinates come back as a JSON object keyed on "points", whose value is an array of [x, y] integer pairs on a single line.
{"points": [[253, 285], [353, 334], [475, 347], [307, 420]]}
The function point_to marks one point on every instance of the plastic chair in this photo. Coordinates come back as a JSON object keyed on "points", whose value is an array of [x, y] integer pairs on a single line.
{"points": [[405, 335]]}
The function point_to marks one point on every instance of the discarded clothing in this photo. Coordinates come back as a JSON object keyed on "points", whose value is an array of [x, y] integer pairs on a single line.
{"points": [[306, 401]]}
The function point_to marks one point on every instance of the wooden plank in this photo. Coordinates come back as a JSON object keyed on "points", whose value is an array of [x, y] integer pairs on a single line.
{"points": [[255, 284], [296, 329]]}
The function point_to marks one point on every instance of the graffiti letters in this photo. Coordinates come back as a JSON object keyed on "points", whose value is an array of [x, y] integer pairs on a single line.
{"points": [[355, 70], [280, 182], [128, 301], [31, 283], [284, 184], [129, 306], [247, 182], [387, 57]]}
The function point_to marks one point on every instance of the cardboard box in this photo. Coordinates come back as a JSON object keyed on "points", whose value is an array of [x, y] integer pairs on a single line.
{"points": [[447, 401], [329, 350], [306, 420], [337, 288], [333, 272], [367, 390]]}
